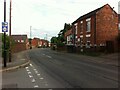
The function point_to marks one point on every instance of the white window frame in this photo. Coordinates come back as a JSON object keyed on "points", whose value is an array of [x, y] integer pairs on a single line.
{"points": [[88, 24]]}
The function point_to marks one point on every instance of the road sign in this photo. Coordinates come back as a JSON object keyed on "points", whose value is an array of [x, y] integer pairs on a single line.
{"points": [[4, 26]]}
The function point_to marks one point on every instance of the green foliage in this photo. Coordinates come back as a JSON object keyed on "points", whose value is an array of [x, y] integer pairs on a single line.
{"points": [[60, 40], [60, 44], [54, 40]]}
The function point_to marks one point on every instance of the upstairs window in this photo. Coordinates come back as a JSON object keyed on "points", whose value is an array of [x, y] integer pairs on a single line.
{"points": [[119, 26], [88, 24], [81, 26]]}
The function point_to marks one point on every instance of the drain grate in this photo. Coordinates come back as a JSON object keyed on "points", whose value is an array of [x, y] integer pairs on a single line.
{"points": [[9, 86]]}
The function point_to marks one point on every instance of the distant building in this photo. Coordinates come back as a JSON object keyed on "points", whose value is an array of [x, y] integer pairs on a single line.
{"points": [[44, 43], [35, 42], [20, 43]]}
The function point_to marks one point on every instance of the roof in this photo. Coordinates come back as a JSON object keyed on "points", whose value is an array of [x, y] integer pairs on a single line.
{"points": [[19, 37], [91, 13]]}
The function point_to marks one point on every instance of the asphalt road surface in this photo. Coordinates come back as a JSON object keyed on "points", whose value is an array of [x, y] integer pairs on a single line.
{"points": [[67, 70]]}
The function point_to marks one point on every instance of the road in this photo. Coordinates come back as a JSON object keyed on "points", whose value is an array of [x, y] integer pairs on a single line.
{"points": [[75, 71], [51, 69]]}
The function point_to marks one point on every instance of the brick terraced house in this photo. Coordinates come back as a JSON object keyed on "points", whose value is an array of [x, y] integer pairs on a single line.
{"points": [[20, 43], [95, 31]]}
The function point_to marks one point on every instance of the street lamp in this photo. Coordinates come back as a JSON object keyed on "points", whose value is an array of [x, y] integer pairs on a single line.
{"points": [[30, 37], [10, 33], [5, 35]]}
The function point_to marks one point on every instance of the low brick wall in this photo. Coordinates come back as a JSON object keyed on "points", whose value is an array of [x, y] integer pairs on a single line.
{"points": [[18, 47]]}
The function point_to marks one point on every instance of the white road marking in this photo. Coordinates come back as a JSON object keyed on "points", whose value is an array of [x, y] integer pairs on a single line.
{"points": [[36, 86], [33, 80], [31, 64], [29, 72], [30, 76], [43, 54], [38, 74], [49, 56], [26, 67], [41, 78], [34, 69]]}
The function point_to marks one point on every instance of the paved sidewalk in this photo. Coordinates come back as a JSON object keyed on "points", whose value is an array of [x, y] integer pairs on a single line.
{"points": [[18, 60]]}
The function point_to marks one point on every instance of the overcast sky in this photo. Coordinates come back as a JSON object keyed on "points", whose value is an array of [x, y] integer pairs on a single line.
{"points": [[47, 17]]}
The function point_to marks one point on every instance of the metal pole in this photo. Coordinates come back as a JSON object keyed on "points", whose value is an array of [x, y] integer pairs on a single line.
{"points": [[30, 37], [5, 35], [10, 33]]}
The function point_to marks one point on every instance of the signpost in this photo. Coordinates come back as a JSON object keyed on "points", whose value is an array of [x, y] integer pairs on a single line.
{"points": [[4, 26]]}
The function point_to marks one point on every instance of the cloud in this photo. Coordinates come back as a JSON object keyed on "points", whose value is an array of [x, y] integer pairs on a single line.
{"points": [[48, 16]]}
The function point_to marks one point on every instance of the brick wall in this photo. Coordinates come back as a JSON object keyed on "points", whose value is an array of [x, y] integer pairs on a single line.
{"points": [[17, 47], [106, 26]]}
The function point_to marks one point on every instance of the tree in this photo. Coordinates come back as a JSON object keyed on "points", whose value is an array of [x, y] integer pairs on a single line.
{"points": [[54, 40]]}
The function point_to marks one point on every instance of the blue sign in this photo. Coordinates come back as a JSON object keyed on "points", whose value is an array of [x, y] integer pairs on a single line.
{"points": [[4, 26]]}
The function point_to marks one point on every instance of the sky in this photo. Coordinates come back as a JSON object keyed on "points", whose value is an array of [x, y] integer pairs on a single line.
{"points": [[47, 17]]}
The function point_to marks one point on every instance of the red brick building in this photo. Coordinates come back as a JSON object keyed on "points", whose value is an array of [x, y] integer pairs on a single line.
{"points": [[35, 42], [68, 36], [96, 30], [44, 43], [20, 43]]}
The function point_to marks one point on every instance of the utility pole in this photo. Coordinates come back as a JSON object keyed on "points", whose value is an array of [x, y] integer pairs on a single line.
{"points": [[30, 37], [10, 32], [5, 35]]}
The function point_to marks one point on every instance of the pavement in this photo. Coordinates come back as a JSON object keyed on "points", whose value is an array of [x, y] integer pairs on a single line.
{"points": [[21, 59]]}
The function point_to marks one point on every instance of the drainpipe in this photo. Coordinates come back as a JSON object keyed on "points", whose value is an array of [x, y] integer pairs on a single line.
{"points": [[95, 32]]}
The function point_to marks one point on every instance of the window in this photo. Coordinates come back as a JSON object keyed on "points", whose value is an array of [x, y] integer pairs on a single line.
{"points": [[88, 42], [81, 26], [22, 41], [88, 24], [75, 28], [119, 26]]}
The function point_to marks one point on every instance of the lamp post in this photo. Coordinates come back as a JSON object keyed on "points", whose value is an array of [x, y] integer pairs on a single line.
{"points": [[30, 37], [10, 33], [5, 35]]}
